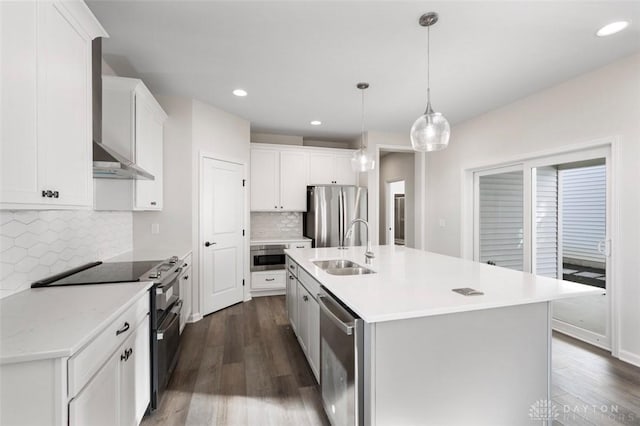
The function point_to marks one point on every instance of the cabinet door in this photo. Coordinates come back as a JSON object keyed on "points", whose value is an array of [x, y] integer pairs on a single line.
{"points": [[134, 374], [64, 108], [343, 172], [321, 169], [303, 318], [98, 403], [19, 180], [314, 336], [149, 141], [293, 181], [265, 180], [292, 301], [185, 295]]}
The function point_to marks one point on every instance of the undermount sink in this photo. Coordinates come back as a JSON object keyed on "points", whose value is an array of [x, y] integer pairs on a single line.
{"points": [[342, 267]]}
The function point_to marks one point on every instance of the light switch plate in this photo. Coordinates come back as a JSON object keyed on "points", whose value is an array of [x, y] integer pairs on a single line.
{"points": [[155, 228]]}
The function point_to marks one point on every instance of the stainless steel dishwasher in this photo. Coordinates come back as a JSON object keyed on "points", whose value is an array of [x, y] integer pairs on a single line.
{"points": [[341, 361]]}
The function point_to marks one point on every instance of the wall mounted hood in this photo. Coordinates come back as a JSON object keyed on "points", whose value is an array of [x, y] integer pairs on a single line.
{"points": [[107, 163]]}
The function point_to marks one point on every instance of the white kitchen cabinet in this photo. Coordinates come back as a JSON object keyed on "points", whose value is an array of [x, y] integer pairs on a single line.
{"points": [[105, 382], [293, 181], [308, 327], [46, 136], [265, 180], [292, 300], [330, 169], [186, 281], [302, 330], [120, 392], [132, 125], [278, 180]]}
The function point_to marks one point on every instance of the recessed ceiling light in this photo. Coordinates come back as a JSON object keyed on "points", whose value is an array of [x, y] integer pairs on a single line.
{"points": [[240, 92], [316, 122], [612, 28]]}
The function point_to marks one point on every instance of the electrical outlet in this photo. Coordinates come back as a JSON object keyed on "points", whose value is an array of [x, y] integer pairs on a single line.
{"points": [[442, 223], [155, 228]]}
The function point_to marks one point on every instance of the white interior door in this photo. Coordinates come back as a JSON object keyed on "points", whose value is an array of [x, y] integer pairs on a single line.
{"points": [[222, 223]]}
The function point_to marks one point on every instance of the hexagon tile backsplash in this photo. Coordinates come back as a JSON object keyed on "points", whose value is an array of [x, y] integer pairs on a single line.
{"points": [[37, 244]]}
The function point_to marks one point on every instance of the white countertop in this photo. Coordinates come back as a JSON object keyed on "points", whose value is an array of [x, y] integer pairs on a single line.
{"points": [[278, 240], [56, 322], [156, 253], [411, 283]]}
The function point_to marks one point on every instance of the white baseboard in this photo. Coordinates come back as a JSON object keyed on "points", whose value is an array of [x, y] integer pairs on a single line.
{"points": [[195, 317], [629, 357], [256, 293]]}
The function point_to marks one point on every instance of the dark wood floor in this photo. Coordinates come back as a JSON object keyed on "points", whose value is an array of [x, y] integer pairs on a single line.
{"points": [[590, 387], [243, 366]]}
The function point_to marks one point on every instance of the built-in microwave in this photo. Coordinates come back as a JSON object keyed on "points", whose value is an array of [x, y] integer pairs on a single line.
{"points": [[268, 257]]}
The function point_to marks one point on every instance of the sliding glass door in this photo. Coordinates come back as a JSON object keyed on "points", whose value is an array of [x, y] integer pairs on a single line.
{"points": [[550, 216]]}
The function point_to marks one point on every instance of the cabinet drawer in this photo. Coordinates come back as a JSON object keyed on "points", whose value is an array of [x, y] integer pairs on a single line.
{"points": [[268, 280], [309, 283], [292, 267], [83, 365], [300, 244]]}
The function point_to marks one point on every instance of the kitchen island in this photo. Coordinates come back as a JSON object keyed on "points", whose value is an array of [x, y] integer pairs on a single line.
{"points": [[429, 355]]}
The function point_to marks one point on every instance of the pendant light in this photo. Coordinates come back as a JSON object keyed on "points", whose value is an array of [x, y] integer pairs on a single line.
{"points": [[430, 132], [362, 161]]}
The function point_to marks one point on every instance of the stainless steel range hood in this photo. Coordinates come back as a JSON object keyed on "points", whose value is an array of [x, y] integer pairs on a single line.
{"points": [[107, 163]]}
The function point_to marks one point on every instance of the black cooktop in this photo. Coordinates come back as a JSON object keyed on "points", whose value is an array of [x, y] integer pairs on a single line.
{"points": [[100, 273]]}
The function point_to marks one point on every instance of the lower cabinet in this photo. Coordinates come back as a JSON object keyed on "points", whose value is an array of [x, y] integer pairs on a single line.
{"points": [[185, 294], [120, 392], [303, 311]]}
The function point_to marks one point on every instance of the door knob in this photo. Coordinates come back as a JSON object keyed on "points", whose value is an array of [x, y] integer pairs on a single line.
{"points": [[207, 244]]}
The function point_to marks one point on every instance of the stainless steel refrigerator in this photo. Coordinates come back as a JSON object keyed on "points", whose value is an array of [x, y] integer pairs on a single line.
{"points": [[330, 210]]}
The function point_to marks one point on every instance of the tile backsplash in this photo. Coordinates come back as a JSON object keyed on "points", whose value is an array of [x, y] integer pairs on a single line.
{"points": [[36, 244], [276, 225]]}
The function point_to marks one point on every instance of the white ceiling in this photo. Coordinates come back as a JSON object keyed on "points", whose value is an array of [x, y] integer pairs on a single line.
{"points": [[300, 60]]}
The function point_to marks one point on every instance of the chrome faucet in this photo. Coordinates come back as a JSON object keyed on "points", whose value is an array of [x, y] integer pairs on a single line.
{"points": [[369, 253]]}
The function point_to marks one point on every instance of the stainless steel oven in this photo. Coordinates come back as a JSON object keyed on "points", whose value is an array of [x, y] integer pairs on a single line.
{"points": [[341, 362], [268, 257]]}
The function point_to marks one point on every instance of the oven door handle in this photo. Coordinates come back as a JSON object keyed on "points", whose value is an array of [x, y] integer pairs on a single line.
{"points": [[176, 311], [169, 282], [347, 328]]}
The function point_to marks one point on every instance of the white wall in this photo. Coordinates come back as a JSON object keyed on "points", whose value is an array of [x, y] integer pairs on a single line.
{"points": [[400, 142], [175, 219], [394, 167], [223, 136], [601, 104]]}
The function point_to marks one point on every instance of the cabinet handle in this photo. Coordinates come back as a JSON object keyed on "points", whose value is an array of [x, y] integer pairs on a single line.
{"points": [[299, 246], [269, 279], [47, 193], [281, 207], [185, 266], [153, 203], [186, 277], [305, 298], [124, 328], [275, 207]]}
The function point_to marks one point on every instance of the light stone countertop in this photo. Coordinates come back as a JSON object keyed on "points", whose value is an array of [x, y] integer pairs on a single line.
{"points": [[55, 322], [411, 283]]}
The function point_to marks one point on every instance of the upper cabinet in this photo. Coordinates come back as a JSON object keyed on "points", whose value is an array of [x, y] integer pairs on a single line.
{"points": [[280, 174], [278, 180], [331, 169], [46, 132], [132, 124]]}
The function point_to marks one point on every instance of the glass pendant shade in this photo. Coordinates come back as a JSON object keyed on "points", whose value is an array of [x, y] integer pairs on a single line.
{"points": [[362, 161], [430, 132]]}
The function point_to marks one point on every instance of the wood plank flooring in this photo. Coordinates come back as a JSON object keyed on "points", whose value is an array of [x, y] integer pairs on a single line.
{"points": [[243, 366], [590, 387]]}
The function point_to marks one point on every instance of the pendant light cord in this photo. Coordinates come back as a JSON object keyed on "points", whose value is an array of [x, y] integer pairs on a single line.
{"points": [[362, 122], [428, 69]]}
